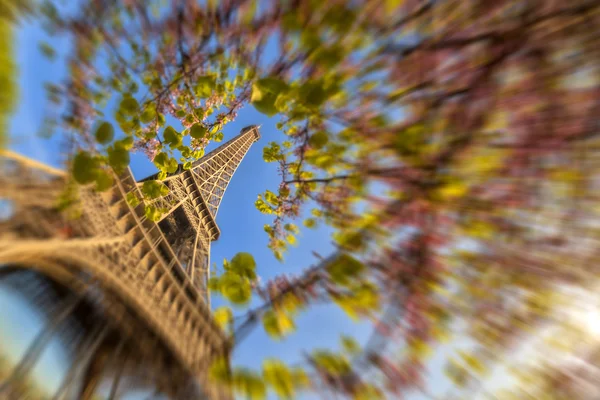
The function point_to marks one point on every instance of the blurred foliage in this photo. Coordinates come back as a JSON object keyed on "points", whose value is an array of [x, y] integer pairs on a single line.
{"points": [[450, 145]]}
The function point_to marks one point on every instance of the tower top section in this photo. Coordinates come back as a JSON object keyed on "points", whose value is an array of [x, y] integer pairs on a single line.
{"points": [[200, 189], [253, 128]]}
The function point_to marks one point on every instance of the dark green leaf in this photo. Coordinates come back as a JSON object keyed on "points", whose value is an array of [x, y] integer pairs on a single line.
{"points": [[104, 133], [84, 168], [129, 105], [104, 180], [198, 131], [118, 159], [148, 115], [318, 140], [344, 268]]}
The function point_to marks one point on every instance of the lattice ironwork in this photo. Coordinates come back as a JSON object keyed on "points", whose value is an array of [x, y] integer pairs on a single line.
{"points": [[147, 278]]}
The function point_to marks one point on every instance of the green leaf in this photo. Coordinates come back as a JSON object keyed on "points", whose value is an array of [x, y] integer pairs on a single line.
{"points": [[219, 370], [332, 363], [310, 223], [235, 288], [104, 180], [152, 213], [118, 159], [187, 165], [104, 133], [410, 141], [148, 115], [271, 198], [329, 56], [172, 137], [350, 345], [318, 140], [291, 228], [84, 168], [344, 269], [272, 153], [362, 299], [277, 324], [218, 137], [223, 316], [243, 264], [354, 241], [161, 160], [160, 119], [262, 206], [47, 51], [368, 392], [125, 143], [197, 154], [205, 86], [154, 189], [313, 94], [172, 166], [272, 85], [279, 377], [132, 199], [265, 92], [129, 105], [197, 131], [214, 284], [248, 384]]}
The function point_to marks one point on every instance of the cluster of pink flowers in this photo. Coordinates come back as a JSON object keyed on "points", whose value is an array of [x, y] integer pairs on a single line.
{"points": [[149, 147]]}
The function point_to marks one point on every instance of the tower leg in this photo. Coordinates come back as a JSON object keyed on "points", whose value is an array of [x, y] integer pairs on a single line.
{"points": [[96, 358]]}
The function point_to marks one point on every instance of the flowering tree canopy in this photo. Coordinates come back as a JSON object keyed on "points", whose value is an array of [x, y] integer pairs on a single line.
{"points": [[449, 144]]}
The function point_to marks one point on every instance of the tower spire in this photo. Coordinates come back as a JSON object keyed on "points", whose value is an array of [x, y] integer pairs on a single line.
{"points": [[189, 210]]}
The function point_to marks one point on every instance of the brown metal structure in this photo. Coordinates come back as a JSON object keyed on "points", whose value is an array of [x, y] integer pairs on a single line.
{"points": [[129, 293]]}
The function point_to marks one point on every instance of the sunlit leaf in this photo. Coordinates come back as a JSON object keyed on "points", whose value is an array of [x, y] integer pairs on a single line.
{"points": [[154, 189], [172, 137], [243, 264], [277, 324], [265, 92], [223, 316], [235, 288], [248, 384], [279, 377]]}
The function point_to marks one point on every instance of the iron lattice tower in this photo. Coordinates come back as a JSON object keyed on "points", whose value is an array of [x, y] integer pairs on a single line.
{"points": [[129, 293]]}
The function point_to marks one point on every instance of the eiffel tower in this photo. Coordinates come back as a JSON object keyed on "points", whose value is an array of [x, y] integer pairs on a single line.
{"points": [[126, 295]]}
